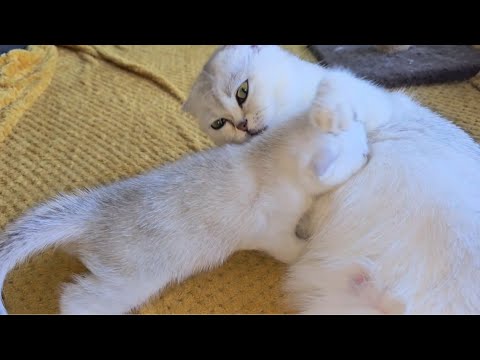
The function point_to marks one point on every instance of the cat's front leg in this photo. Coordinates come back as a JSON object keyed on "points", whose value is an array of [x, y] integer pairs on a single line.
{"points": [[349, 150], [304, 227], [344, 108], [342, 99], [284, 247], [330, 111]]}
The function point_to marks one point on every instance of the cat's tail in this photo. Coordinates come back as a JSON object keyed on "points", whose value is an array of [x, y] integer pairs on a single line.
{"points": [[56, 222]]}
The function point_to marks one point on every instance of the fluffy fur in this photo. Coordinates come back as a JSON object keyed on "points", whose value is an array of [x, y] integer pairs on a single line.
{"points": [[403, 234], [138, 235]]}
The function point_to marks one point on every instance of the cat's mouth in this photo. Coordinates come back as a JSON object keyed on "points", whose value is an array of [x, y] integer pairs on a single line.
{"points": [[252, 132]]}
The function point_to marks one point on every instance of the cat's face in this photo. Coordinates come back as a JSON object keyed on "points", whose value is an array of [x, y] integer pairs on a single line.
{"points": [[241, 91]]}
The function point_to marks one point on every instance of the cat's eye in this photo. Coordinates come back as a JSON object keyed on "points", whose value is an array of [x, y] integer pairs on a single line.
{"points": [[242, 93], [218, 124]]}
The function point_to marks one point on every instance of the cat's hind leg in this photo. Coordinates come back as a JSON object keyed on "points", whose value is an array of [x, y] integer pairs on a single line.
{"points": [[90, 294]]}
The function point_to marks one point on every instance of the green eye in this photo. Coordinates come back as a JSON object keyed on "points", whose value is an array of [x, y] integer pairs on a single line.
{"points": [[242, 93], [218, 124]]}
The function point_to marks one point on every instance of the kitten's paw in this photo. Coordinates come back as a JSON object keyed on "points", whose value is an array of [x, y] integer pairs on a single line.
{"points": [[332, 120], [331, 112], [341, 156], [303, 230], [289, 250]]}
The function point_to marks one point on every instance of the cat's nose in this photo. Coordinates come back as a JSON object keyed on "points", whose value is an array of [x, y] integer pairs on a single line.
{"points": [[243, 125]]}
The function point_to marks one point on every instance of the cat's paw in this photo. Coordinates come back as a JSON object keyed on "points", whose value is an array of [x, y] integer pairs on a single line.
{"points": [[340, 156], [288, 249], [331, 112], [303, 230]]}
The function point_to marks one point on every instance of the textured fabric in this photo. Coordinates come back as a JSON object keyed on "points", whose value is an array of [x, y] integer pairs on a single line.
{"points": [[476, 79], [114, 111], [24, 75]]}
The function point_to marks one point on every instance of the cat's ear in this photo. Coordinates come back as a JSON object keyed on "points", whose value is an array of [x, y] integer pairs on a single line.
{"points": [[188, 106], [324, 158], [195, 102]]}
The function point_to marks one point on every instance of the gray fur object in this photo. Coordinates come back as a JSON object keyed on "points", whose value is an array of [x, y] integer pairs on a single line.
{"points": [[419, 65]]}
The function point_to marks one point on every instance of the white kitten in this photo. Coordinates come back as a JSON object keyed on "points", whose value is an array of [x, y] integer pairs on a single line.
{"points": [[138, 235], [401, 236], [273, 94]]}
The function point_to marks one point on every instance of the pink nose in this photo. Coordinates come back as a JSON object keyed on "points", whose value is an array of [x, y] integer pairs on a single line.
{"points": [[243, 125]]}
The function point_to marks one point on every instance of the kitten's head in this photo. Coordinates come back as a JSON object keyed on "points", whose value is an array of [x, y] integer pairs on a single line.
{"points": [[243, 90]]}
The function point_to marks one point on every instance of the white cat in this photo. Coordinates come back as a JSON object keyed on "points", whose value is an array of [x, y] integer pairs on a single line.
{"points": [[403, 234], [138, 235]]}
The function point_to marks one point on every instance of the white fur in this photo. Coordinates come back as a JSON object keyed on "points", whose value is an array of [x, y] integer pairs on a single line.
{"points": [[408, 223], [274, 95], [138, 235]]}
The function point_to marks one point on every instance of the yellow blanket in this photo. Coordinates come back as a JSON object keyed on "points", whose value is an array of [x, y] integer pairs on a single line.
{"points": [[77, 116]]}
